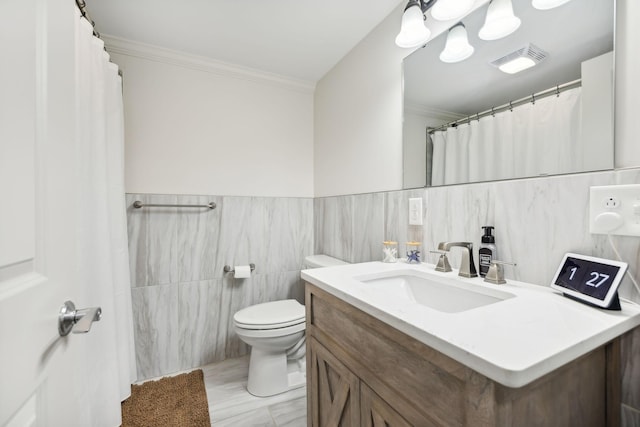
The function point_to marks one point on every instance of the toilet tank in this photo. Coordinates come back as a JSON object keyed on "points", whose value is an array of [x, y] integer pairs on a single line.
{"points": [[317, 261]]}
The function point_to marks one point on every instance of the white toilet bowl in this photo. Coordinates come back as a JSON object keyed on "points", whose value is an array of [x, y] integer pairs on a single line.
{"points": [[275, 332]]}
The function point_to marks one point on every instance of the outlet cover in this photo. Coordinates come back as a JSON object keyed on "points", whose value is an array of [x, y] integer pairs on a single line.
{"points": [[415, 211], [615, 209]]}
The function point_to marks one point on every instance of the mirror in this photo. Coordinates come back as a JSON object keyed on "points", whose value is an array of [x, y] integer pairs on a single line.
{"points": [[577, 39]]}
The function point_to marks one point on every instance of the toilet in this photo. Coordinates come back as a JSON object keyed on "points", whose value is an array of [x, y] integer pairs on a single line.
{"points": [[275, 332]]}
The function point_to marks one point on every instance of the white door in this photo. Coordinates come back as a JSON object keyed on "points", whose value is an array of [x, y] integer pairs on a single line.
{"points": [[41, 374]]}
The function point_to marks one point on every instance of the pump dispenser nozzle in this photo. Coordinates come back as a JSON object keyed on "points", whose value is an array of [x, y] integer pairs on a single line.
{"points": [[488, 237]]}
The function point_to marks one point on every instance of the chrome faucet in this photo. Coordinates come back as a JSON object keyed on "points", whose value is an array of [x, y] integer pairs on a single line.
{"points": [[467, 267]]}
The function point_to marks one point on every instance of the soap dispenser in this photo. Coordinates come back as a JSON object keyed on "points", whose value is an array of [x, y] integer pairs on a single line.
{"points": [[487, 251]]}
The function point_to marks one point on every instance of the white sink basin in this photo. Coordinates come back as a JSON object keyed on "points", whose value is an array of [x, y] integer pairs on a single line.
{"points": [[441, 294], [513, 333]]}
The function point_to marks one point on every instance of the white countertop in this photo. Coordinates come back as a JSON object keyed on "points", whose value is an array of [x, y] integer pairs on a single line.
{"points": [[513, 342]]}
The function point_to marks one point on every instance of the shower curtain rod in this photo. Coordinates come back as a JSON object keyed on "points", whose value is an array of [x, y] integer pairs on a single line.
{"points": [[510, 105], [82, 5]]}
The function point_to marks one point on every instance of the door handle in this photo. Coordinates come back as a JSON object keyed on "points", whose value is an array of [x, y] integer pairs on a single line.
{"points": [[79, 320]]}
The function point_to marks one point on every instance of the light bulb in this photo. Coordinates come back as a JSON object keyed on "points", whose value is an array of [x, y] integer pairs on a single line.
{"points": [[413, 31], [457, 47], [548, 4], [500, 21], [445, 10]]}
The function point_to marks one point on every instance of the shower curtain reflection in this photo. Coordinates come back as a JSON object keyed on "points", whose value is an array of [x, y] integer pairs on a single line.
{"points": [[538, 138]]}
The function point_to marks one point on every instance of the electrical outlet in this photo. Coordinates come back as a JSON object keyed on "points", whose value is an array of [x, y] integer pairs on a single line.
{"points": [[615, 209], [415, 211], [611, 202]]}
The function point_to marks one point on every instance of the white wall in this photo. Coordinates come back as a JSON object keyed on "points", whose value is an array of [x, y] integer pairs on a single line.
{"points": [[358, 109], [627, 84], [199, 127], [358, 117]]}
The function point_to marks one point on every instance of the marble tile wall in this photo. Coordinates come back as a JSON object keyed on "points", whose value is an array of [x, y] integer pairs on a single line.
{"points": [[537, 220], [183, 303]]}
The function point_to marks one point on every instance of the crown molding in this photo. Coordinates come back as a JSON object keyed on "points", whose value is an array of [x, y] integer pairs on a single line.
{"points": [[149, 52], [435, 113]]}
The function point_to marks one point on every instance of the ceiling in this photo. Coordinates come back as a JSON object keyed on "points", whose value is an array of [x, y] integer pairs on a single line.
{"points": [[298, 39], [571, 33]]}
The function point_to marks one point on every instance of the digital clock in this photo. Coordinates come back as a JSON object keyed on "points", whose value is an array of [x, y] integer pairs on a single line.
{"points": [[590, 279]]}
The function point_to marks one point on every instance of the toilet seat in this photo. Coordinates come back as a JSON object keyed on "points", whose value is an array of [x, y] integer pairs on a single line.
{"points": [[271, 315], [270, 333]]}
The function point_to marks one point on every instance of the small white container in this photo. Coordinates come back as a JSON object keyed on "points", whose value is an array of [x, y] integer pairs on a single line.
{"points": [[414, 252], [389, 251]]}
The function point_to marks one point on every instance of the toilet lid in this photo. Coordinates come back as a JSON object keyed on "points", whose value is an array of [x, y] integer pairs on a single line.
{"points": [[269, 315]]}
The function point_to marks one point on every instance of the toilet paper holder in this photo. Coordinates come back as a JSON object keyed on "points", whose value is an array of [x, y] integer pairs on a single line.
{"points": [[228, 269]]}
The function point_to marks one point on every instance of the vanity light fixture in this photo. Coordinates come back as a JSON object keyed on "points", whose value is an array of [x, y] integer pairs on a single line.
{"points": [[413, 31], [548, 4], [500, 21], [523, 58], [446, 10], [457, 47]]}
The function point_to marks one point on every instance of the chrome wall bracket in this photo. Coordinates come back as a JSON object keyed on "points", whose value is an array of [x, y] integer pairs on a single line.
{"points": [[228, 269]]}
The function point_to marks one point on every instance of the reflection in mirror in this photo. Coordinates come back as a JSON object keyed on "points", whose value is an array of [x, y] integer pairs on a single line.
{"points": [[469, 121]]}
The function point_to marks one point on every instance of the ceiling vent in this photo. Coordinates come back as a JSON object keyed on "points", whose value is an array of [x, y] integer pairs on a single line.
{"points": [[521, 59]]}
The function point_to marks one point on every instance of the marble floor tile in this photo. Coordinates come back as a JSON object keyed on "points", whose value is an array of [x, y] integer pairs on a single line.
{"points": [[290, 414], [226, 384], [258, 418]]}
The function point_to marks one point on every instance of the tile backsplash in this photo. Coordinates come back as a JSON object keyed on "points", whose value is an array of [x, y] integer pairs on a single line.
{"points": [[183, 302], [536, 222]]}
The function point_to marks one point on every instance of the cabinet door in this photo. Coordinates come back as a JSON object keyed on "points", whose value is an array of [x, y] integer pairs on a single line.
{"points": [[375, 412], [334, 390]]}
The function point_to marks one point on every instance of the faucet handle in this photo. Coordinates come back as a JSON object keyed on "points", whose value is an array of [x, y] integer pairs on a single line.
{"points": [[443, 262], [495, 274]]}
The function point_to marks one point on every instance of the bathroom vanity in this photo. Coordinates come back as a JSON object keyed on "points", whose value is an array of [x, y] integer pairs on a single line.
{"points": [[387, 346]]}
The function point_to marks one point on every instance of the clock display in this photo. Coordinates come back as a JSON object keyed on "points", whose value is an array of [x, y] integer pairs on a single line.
{"points": [[587, 277]]}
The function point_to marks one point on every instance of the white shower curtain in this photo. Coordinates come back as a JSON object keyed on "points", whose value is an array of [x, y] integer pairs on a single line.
{"points": [[103, 259], [533, 139]]}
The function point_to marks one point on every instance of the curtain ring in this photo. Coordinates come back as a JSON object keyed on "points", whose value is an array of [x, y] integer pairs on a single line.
{"points": [[493, 113], [533, 98], [558, 90], [478, 117], [510, 106]]}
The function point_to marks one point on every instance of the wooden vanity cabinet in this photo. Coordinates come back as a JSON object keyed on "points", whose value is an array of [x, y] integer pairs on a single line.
{"points": [[363, 372]]}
